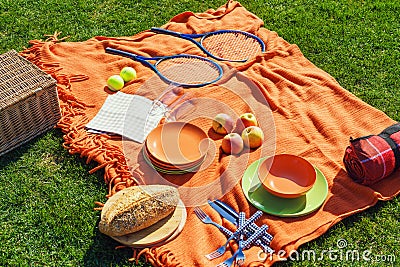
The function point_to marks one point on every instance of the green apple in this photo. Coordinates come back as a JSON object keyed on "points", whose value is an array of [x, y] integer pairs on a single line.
{"points": [[223, 123], [248, 119], [253, 136], [115, 83], [128, 74]]}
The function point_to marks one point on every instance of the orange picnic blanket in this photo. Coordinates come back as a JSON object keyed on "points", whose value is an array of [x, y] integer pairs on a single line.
{"points": [[303, 110]]}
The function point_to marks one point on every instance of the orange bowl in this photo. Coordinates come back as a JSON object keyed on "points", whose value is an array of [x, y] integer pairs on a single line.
{"points": [[287, 176]]}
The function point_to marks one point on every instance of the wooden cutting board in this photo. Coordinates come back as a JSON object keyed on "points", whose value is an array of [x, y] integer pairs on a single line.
{"points": [[175, 233], [157, 232]]}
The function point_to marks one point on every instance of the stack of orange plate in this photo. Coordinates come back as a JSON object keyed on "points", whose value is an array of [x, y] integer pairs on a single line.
{"points": [[176, 148]]}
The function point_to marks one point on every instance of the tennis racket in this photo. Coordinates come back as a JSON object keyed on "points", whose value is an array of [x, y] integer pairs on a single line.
{"points": [[228, 45], [179, 70]]}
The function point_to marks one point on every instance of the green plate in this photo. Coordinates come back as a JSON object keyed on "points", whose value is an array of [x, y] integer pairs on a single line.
{"points": [[283, 207], [183, 171]]}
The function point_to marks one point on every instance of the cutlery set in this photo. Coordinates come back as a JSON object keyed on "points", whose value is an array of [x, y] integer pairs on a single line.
{"points": [[247, 233]]}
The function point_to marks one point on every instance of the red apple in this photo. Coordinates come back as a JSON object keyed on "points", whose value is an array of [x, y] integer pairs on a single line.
{"points": [[223, 123], [253, 136], [248, 119], [232, 144]]}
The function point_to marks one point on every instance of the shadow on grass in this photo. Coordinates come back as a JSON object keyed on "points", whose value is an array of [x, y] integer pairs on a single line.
{"points": [[17, 153], [104, 252]]}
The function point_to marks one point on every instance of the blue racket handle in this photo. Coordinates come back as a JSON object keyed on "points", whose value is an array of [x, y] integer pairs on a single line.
{"points": [[132, 56], [177, 34], [121, 53]]}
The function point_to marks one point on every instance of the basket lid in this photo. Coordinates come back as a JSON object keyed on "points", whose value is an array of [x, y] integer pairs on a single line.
{"points": [[20, 79]]}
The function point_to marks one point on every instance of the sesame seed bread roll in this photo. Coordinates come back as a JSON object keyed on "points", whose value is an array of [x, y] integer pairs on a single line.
{"points": [[137, 207]]}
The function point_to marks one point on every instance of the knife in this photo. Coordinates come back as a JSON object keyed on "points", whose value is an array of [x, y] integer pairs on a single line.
{"points": [[225, 211], [232, 216]]}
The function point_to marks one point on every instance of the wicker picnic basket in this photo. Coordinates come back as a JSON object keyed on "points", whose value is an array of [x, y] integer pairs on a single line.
{"points": [[28, 101]]}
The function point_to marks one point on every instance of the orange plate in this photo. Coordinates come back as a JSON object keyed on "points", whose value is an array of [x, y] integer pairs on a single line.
{"points": [[287, 176], [162, 164], [170, 167], [177, 143]]}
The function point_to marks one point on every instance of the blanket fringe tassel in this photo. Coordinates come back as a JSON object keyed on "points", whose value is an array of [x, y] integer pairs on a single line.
{"points": [[76, 139], [156, 256]]}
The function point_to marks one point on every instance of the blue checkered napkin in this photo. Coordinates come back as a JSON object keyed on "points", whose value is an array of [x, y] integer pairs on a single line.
{"points": [[131, 116]]}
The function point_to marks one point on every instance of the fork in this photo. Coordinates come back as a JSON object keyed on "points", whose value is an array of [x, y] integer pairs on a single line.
{"points": [[228, 262], [221, 250], [239, 256], [207, 220]]}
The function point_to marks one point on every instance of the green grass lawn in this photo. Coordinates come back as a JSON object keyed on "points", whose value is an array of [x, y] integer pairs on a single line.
{"points": [[47, 195]]}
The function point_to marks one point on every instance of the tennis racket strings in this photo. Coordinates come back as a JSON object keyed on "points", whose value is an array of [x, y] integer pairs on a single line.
{"points": [[232, 46], [188, 70]]}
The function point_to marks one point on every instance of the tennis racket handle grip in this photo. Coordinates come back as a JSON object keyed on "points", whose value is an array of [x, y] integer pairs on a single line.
{"points": [[119, 52], [160, 30]]}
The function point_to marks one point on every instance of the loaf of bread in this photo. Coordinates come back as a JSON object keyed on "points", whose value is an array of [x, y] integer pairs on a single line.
{"points": [[137, 207]]}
